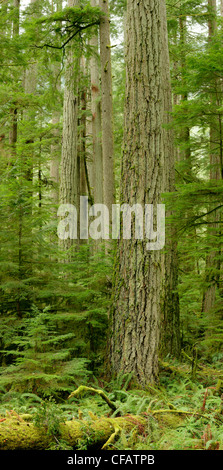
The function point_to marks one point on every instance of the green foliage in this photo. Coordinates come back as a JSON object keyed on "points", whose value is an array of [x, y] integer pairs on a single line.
{"points": [[197, 72], [60, 27], [49, 417], [54, 313], [196, 429], [181, 413]]}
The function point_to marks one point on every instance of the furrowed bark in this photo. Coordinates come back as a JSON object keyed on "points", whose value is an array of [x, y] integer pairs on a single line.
{"points": [[136, 310], [13, 110], [96, 121], [69, 184], [107, 108]]}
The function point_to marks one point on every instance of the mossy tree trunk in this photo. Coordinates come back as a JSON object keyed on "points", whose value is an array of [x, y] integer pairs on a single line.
{"points": [[18, 434]]}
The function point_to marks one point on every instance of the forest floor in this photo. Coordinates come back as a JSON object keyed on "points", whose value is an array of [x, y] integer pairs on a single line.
{"points": [[184, 412]]}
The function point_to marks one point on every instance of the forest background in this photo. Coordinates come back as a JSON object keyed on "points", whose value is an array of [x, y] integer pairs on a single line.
{"points": [[62, 114]]}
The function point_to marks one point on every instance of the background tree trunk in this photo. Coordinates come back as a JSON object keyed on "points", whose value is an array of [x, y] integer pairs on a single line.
{"points": [[106, 104], [185, 132], [212, 263], [170, 318], [96, 121], [56, 147], [14, 110], [55, 160]]}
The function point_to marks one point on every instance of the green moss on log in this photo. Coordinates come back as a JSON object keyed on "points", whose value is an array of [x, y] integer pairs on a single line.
{"points": [[18, 434]]}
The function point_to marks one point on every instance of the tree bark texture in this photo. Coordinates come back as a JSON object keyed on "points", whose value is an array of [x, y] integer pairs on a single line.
{"points": [[69, 185], [139, 273], [170, 312], [55, 149], [107, 108], [13, 109], [96, 121]]}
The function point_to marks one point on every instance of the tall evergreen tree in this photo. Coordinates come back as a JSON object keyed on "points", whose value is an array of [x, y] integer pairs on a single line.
{"points": [[170, 343], [13, 110], [96, 121], [139, 273], [107, 108], [69, 183]]}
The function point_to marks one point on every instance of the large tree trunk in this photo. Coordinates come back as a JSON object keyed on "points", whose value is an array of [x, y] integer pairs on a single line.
{"points": [[139, 273], [69, 185]]}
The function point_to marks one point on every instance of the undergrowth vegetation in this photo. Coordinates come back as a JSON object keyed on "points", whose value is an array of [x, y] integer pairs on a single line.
{"points": [[181, 412]]}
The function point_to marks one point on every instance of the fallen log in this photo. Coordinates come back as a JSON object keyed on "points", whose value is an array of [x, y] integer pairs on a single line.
{"points": [[16, 433]]}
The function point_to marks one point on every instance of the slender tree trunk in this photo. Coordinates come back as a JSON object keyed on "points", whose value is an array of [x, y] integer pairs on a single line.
{"points": [[13, 131], [106, 104], [185, 133], [212, 23], [82, 171], [30, 115], [82, 132], [56, 115], [96, 121], [170, 313], [26, 182], [55, 159], [55, 147], [139, 273], [14, 110], [176, 96], [12, 142], [4, 11]]}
